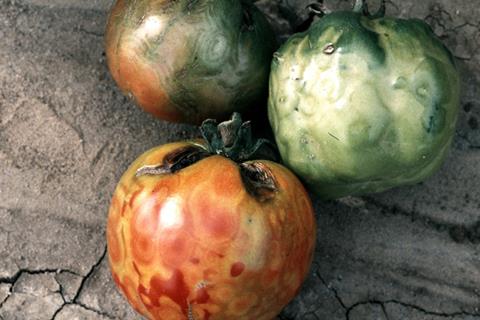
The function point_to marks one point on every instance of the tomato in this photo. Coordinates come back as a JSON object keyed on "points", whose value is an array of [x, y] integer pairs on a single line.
{"points": [[186, 61], [362, 103], [193, 235]]}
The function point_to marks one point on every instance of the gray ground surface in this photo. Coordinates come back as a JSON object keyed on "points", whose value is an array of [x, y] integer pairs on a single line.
{"points": [[67, 134]]}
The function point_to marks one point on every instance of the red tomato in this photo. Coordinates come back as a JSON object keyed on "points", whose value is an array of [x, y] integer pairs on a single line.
{"points": [[204, 241]]}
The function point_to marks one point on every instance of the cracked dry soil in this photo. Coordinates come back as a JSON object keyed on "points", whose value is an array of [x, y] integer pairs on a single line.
{"points": [[67, 134]]}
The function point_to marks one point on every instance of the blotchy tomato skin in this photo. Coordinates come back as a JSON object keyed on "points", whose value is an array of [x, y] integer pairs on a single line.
{"points": [[186, 61], [196, 245]]}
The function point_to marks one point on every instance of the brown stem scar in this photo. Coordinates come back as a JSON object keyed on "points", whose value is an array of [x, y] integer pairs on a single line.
{"points": [[174, 161], [258, 180]]}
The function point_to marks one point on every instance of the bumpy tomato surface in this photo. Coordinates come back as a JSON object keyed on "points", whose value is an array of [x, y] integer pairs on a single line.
{"points": [[362, 103], [186, 61], [195, 244]]}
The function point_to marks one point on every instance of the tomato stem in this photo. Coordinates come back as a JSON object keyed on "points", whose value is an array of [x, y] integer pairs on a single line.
{"points": [[234, 140], [381, 11], [315, 10], [361, 6], [318, 9]]}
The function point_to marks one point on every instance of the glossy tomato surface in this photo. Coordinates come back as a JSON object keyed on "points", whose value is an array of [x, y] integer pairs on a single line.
{"points": [[185, 61], [195, 244], [361, 104]]}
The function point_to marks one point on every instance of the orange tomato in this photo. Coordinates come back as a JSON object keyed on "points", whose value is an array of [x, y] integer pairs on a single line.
{"points": [[204, 241]]}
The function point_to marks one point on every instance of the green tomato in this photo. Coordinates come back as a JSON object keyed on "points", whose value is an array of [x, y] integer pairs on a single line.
{"points": [[361, 103]]}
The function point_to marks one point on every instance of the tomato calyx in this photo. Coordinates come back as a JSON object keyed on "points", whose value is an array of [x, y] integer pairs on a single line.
{"points": [[232, 139], [361, 6], [318, 10], [299, 24]]}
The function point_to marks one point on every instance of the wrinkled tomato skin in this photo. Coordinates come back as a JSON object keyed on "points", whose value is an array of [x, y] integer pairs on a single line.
{"points": [[186, 61], [196, 245]]}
